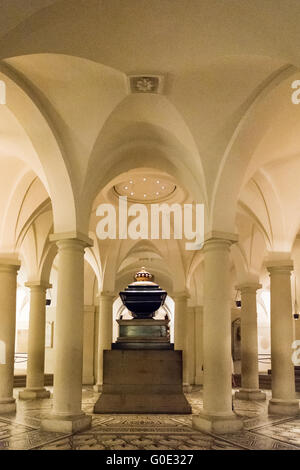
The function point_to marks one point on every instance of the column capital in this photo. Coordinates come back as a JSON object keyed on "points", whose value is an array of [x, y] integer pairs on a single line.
{"points": [[71, 238], [180, 295], [248, 286], [105, 295], [215, 241], [279, 265], [44, 285], [218, 235], [9, 264]]}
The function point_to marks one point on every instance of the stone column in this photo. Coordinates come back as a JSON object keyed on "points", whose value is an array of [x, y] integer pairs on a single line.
{"points": [[250, 384], [180, 334], [67, 415], [104, 333], [199, 345], [8, 289], [217, 415], [283, 400], [191, 345], [36, 342]]}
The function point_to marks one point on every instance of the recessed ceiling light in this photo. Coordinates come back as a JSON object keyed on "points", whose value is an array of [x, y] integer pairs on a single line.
{"points": [[131, 194], [162, 187], [125, 187], [157, 193], [145, 195], [130, 181], [144, 179], [157, 181]]}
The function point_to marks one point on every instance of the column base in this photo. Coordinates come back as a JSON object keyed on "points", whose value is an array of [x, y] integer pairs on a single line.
{"points": [[67, 424], [283, 407], [7, 405], [187, 388], [32, 393], [250, 394], [98, 388], [217, 424]]}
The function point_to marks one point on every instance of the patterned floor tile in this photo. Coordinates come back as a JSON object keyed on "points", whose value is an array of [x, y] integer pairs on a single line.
{"points": [[98, 441], [148, 432], [285, 431]]}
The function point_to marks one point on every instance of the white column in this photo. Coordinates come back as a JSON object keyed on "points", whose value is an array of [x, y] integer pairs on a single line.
{"points": [[199, 345], [180, 334], [250, 383], [217, 415], [191, 345], [36, 342], [8, 289], [283, 376], [104, 333], [67, 415]]}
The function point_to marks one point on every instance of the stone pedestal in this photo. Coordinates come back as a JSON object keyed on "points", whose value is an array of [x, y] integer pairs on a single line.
{"points": [[142, 381]]}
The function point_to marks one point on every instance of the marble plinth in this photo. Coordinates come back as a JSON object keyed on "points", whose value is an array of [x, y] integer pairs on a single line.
{"points": [[142, 381]]}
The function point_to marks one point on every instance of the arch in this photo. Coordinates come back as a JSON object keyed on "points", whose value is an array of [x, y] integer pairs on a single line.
{"points": [[50, 162], [232, 174]]}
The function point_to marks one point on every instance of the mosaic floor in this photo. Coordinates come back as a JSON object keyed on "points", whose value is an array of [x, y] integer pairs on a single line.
{"points": [[148, 432]]}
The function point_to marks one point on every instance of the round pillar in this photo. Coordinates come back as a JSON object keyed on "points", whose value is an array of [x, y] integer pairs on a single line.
{"points": [[104, 333], [67, 415], [250, 383], [36, 342], [199, 345], [8, 289], [180, 334], [217, 415], [283, 400]]}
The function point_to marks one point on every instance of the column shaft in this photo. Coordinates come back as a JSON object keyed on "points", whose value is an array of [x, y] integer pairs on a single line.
{"points": [[36, 343], [250, 385], [217, 415], [199, 345], [8, 287], [67, 393], [180, 335], [283, 376], [104, 333]]}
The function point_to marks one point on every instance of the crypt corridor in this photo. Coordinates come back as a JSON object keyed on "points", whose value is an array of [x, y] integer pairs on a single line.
{"points": [[181, 102]]}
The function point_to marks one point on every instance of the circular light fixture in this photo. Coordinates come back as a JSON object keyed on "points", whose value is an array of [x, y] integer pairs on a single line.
{"points": [[144, 188]]}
